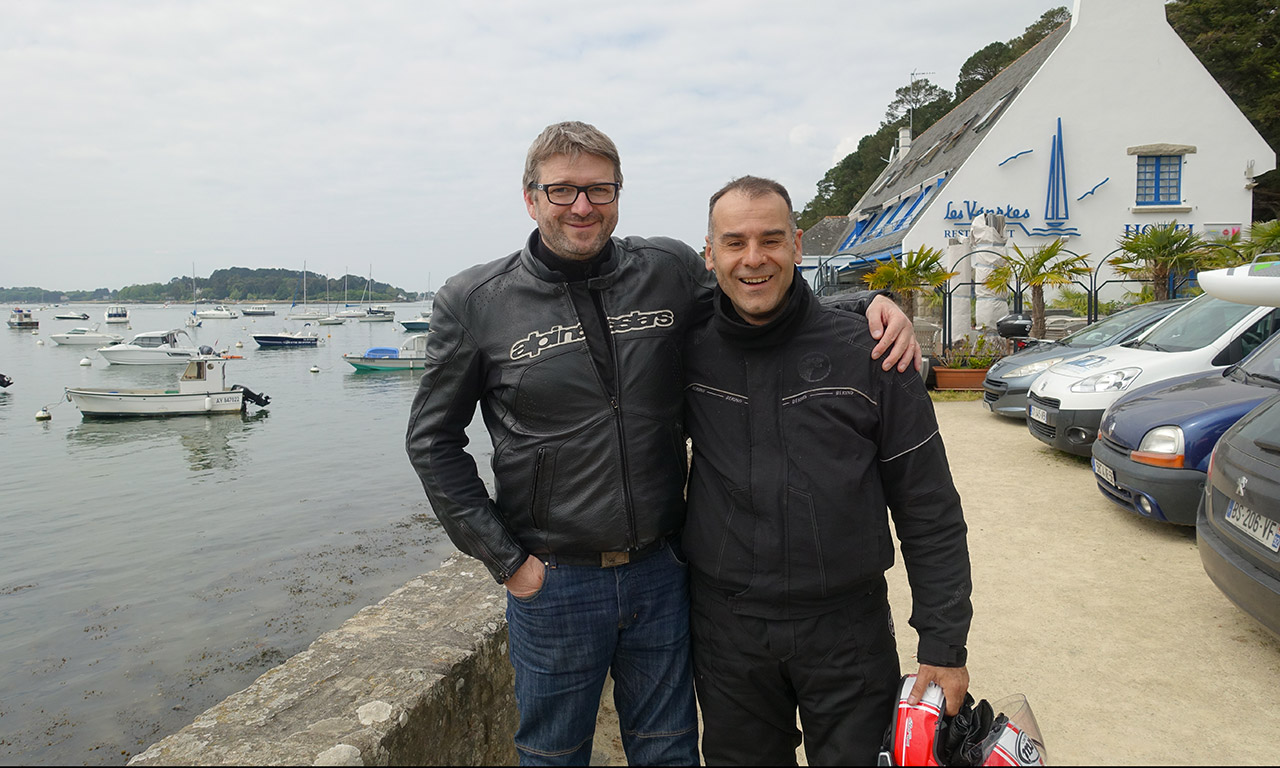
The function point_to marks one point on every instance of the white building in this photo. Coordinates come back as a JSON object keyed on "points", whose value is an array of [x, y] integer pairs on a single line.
{"points": [[1109, 125]]}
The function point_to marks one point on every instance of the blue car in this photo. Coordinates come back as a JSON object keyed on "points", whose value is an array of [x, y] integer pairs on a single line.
{"points": [[1153, 446], [1238, 526], [1009, 379]]}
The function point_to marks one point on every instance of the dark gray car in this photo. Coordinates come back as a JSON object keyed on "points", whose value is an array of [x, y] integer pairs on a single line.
{"points": [[1008, 381], [1238, 525]]}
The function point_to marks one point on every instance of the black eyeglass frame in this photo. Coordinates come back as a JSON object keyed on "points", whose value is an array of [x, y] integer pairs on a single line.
{"points": [[579, 190]]}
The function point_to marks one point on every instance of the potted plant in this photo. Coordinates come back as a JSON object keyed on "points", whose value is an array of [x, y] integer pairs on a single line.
{"points": [[918, 271], [964, 364]]}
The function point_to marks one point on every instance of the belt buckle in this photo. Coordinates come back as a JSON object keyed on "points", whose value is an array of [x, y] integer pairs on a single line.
{"points": [[614, 559]]}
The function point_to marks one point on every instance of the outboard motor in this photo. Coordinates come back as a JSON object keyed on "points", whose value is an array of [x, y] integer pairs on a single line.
{"points": [[5, 380], [205, 349], [248, 395]]}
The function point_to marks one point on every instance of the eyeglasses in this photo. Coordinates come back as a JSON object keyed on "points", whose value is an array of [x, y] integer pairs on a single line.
{"points": [[567, 194]]}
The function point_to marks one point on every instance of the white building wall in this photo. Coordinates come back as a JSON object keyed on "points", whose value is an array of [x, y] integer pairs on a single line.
{"points": [[1121, 78]]}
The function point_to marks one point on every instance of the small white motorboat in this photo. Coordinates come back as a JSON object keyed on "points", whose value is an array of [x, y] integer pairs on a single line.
{"points": [[1256, 283], [218, 312], [412, 354], [287, 339], [152, 348], [202, 389], [258, 310], [378, 314], [116, 314], [86, 337], [421, 323], [71, 316], [332, 320]]}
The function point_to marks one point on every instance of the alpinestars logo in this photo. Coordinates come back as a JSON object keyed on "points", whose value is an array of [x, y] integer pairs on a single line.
{"points": [[539, 341]]}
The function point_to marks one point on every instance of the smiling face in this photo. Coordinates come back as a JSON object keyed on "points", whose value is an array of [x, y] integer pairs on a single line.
{"points": [[577, 231], [753, 253]]}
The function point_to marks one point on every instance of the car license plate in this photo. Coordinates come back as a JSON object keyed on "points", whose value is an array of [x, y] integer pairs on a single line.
{"points": [[1039, 414], [1104, 472], [1264, 530]]}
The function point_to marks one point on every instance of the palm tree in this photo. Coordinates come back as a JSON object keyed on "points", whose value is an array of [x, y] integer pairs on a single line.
{"points": [[1154, 254], [918, 271], [1048, 264]]}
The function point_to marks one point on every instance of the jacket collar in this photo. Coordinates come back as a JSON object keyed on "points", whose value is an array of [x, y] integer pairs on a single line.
{"points": [[777, 331], [606, 264]]}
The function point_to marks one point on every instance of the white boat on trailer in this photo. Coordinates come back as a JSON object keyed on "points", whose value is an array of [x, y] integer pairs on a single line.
{"points": [[202, 389]]}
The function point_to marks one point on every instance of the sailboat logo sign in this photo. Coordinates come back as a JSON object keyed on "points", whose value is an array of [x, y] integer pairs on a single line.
{"points": [[1057, 211]]}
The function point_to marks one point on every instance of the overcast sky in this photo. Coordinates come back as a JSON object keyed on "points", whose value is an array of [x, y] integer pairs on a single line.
{"points": [[138, 138]]}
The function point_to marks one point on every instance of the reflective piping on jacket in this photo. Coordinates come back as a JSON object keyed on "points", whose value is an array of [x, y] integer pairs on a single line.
{"points": [[912, 448]]}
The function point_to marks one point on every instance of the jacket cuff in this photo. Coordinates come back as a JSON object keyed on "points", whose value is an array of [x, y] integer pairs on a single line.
{"points": [[936, 653]]}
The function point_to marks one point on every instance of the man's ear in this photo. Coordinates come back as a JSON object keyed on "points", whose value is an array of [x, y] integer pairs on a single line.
{"points": [[799, 247], [529, 206], [708, 258]]}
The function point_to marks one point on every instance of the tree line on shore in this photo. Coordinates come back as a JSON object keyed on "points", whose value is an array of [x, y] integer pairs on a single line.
{"points": [[237, 284]]}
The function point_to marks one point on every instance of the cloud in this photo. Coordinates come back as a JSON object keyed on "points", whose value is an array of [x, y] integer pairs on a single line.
{"points": [[152, 134]]}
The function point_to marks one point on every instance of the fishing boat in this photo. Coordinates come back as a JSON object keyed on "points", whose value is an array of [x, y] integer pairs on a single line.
{"points": [[217, 312], [71, 316], [1255, 283], [287, 339], [412, 354], [258, 310], [202, 389], [152, 348], [117, 314], [86, 337], [421, 323], [21, 318]]}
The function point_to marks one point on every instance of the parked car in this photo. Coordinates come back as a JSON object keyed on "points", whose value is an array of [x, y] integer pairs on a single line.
{"points": [[1238, 525], [1066, 402], [1153, 448], [1008, 381]]}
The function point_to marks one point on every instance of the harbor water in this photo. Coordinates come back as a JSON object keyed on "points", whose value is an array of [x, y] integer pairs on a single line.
{"points": [[151, 567]]}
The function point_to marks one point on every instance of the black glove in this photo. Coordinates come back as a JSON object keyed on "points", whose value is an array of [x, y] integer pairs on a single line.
{"points": [[964, 733]]}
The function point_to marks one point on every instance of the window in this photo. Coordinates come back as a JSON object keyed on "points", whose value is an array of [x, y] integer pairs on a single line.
{"points": [[1159, 180]]}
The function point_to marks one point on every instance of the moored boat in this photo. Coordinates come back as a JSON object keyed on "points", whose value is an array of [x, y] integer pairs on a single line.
{"points": [[71, 316], [86, 337], [116, 314], [202, 389], [412, 354], [21, 318], [152, 348], [258, 310], [217, 312], [287, 339], [421, 323]]}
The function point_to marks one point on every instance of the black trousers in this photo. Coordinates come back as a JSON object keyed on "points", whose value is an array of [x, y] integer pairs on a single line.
{"points": [[840, 669]]}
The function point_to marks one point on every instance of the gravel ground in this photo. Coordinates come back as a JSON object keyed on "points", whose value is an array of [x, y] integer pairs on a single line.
{"points": [[1128, 654]]}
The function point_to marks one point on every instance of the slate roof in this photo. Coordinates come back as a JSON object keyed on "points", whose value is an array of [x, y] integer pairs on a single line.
{"points": [[945, 146], [822, 238]]}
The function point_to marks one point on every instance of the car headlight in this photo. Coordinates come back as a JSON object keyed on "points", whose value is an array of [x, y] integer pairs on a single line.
{"points": [[1111, 381], [1161, 447], [1030, 368]]}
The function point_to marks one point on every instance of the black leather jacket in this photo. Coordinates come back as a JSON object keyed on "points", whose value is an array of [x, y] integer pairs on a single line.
{"points": [[575, 470]]}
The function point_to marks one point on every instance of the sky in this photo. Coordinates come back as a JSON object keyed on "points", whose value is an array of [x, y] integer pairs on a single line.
{"points": [[142, 140]]}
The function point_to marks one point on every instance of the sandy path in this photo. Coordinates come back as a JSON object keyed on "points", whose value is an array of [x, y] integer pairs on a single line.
{"points": [[1127, 652]]}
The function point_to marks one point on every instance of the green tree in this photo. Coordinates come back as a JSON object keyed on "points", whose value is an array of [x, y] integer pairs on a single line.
{"points": [[981, 67], [918, 271], [1157, 252], [911, 97], [1045, 265], [1238, 42]]}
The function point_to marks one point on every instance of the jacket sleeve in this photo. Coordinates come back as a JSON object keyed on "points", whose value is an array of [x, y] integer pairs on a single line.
{"points": [[436, 441], [928, 518], [853, 301]]}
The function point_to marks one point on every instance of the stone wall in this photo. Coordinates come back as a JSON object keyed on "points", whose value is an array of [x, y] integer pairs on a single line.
{"points": [[421, 678]]}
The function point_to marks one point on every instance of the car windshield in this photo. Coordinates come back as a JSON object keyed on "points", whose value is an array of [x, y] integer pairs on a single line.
{"points": [[1194, 326], [1104, 331], [1264, 363]]}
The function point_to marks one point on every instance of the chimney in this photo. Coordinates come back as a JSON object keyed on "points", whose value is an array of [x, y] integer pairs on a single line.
{"points": [[904, 141]]}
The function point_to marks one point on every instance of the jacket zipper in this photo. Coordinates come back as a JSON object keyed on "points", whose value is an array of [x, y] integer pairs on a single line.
{"points": [[615, 404]]}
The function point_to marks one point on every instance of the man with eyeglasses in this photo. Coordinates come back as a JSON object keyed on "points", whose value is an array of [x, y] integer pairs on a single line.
{"points": [[572, 347]]}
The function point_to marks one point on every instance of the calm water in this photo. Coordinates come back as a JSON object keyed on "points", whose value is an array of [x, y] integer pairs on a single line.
{"points": [[150, 568]]}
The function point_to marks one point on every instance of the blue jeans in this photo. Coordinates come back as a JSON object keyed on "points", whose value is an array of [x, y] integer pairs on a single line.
{"points": [[632, 621]]}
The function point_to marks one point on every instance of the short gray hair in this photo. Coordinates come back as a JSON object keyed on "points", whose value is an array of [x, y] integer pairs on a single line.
{"points": [[570, 138], [753, 187]]}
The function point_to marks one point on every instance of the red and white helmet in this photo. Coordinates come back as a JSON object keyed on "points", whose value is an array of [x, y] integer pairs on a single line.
{"points": [[1003, 734]]}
